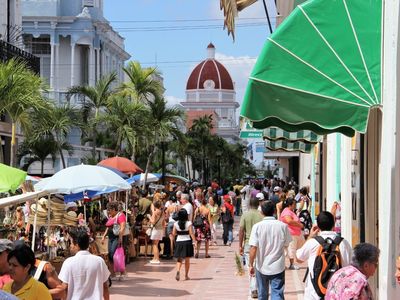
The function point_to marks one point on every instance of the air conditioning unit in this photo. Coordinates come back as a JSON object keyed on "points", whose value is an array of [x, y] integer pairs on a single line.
{"points": [[88, 3]]}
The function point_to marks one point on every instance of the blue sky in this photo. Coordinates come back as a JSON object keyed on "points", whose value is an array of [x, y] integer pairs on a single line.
{"points": [[177, 52]]}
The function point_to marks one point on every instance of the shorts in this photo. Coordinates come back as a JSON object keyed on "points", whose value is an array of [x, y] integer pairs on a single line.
{"points": [[170, 228], [296, 243]]}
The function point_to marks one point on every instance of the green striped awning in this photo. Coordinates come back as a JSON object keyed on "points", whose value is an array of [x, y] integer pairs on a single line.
{"points": [[275, 133], [283, 145]]}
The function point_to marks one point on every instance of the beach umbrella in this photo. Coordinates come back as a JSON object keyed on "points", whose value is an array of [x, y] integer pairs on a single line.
{"points": [[116, 171], [122, 164], [10, 178], [320, 70], [82, 178], [151, 177]]}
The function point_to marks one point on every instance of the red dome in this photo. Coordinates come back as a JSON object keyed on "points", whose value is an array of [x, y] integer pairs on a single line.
{"points": [[209, 70]]}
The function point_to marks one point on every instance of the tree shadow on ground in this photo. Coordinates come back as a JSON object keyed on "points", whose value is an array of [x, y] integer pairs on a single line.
{"points": [[141, 290]]}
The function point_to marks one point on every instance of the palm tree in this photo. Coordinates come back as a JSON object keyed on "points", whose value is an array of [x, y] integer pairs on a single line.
{"points": [[96, 98], [125, 119], [163, 122], [56, 121], [143, 84], [200, 133], [37, 150], [20, 93]]}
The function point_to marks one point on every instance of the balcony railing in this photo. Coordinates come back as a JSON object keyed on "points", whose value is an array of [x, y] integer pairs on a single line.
{"points": [[8, 51]]}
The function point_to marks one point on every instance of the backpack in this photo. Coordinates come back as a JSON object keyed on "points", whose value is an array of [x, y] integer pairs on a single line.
{"points": [[227, 217], [198, 221], [327, 262]]}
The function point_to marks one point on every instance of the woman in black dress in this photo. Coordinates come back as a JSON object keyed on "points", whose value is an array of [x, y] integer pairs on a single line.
{"points": [[184, 242]]}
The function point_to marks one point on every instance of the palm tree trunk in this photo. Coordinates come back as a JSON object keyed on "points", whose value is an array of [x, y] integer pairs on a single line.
{"points": [[94, 138], [118, 146], [149, 160], [42, 168], [13, 144], [62, 158]]}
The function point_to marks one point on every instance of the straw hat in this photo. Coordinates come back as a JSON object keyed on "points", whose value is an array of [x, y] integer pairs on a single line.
{"points": [[43, 202], [39, 210]]}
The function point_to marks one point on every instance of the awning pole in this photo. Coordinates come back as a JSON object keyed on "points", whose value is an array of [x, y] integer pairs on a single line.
{"points": [[268, 19], [48, 225], [34, 226]]}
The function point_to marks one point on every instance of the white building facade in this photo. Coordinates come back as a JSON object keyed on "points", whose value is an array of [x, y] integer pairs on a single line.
{"points": [[76, 46]]}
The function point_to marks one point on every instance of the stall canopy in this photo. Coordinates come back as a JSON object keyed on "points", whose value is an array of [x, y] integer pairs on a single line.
{"points": [[122, 164], [275, 133], [320, 70], [284, 145], [10, 178], [14, 200]]}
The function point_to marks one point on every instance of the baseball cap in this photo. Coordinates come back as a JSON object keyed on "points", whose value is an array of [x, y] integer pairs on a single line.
{"points": [[260, 196], [277, 189], [70, 205], [6, 245]]}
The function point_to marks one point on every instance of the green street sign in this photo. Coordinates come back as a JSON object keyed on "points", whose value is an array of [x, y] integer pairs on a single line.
{"points": [[251, 134]]}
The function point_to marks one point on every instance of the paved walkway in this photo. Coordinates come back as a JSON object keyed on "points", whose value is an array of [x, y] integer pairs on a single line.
{"points": [[211, 278]]}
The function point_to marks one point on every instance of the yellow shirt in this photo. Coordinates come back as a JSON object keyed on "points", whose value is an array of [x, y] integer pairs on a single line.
{"points": [[32, 290]]}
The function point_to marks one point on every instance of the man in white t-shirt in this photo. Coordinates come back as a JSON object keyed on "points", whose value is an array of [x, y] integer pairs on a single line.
{"points": [[325, 223], [84, 275], [186, 205]]}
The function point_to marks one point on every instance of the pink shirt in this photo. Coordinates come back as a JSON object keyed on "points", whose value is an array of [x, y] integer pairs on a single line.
{"points": [[121, 219], [292, 229]]}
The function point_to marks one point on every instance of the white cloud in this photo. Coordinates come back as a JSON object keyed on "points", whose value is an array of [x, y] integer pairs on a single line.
{"points": [[239, 68], [172, 100]]}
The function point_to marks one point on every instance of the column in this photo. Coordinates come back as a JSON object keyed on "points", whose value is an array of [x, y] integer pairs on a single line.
{"points": [[346, 197], [72, 64], [389, 169], [52, 61], [91, 66], [97, 64], [331, 171], [57, 67]]}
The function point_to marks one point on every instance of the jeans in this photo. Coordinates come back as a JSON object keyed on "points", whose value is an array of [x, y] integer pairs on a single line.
{"points": [[228, 234], [246, 254], [112, 246], [277, 283], [238, 206]]}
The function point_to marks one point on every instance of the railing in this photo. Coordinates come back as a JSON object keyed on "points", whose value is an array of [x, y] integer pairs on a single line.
{"points": [[8, 51]]}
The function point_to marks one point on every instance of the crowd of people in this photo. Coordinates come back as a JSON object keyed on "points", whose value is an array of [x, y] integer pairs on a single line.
{"points": [[278, 224], [275, 224]]}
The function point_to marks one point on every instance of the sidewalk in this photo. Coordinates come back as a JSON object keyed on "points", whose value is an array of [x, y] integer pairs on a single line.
{"points": [[211, 278]]}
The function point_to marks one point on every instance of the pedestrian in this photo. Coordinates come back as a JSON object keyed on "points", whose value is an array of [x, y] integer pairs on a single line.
{"points": [[304, 211], [84, 275], [203, 232], [324, 230], [171, 213], [187, 205], [289, 217], [246, 196], [268, 239], [157, 222], [21, 260], [228, 212], [279, 205], [247, 222], [260, 197], [215, 215], [397, 275], [336, 211], [351, 282], [115, 229], [276, 193], [44, 272], [5, 247], [185, 239]]}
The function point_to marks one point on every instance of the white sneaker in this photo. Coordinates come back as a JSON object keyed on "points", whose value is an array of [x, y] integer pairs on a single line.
{"points": [[155, 262]]}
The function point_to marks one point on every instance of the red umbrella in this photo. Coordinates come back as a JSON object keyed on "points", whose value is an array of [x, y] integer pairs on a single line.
{"points": [[122, 164]]}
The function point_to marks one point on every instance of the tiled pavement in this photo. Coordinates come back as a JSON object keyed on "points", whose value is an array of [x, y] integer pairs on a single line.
{"points": [[212, 278]]}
